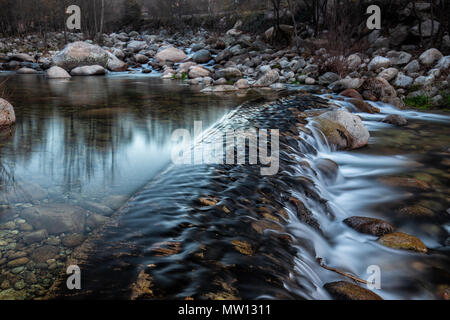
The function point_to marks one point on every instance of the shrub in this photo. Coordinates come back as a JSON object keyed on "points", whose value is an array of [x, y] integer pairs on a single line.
{"points": [[420, 102]]}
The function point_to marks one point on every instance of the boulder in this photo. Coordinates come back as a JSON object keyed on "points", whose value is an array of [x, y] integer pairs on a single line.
{"points": [[202, 56], [57, 73], [198, 72], [354, 61], [399, 58], [328, 77], [388, 74], [443, 64], [379, 88], [379, 62], [343, 290], [267, 79], [403, 81], [242, 84], [140, 58], [343, 129], [136, 46], [7, 115], [79, 54], [88, 71], [44, 253], [22, 57], [170, 54], [372, 226], [364, 106], [232, 74], [220, 88], [412, 67], [115, 64], [430, 57], [402, 241], [36, 236], [351, 93], [347, 83]]}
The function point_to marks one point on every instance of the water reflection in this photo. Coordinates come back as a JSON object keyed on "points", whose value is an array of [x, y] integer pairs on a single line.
{"points": [[98, 133]]}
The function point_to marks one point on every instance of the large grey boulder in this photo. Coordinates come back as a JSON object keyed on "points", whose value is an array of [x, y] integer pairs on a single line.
{"points": [[79, 54], [202, 56], [443, 64], [430, 57], [26, 70], [388, 74], [328, 77], [136, 46], [115, 64], [347, 83], [7, 115], [412, 67], [229, 73], [170, 54], [379, 62], [343, 129], [198, 72], [399, 58], [267, 79], [56, 72], [403, 81], [88, 71]]}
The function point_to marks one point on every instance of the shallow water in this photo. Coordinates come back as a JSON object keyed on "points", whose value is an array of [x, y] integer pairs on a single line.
{"points": [[93, 142]]}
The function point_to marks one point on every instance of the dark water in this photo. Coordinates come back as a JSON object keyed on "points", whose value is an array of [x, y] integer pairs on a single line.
{"points": [[214, 231]]}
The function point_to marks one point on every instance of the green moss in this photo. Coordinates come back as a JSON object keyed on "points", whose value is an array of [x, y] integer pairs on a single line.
{"points": [[420, 102], [184, 76]]}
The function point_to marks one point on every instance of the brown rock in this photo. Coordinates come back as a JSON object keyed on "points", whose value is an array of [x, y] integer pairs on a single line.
{"points": [[403, 241], [405, 183], [44, 253], [352, 93], [73, 240], [371, 226], [18, 262], [343, 290], [7, 115], [364, 106]]}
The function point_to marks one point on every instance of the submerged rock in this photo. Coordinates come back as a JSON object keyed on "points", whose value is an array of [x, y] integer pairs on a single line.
{"points": [[7, 114], [403, 241], [371, 226], [343, 290], [343, 129], [396, 119], [55, 218]]}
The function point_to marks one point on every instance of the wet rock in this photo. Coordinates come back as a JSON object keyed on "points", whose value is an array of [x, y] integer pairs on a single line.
{"points": [[88, 71], [375, 227], [352, 93], [328, 168], [56, 72], [140, 58], [202, 56], [96, 220], [11, 294], [73, 240], [430, 57], [347, 83], [170, 54], [343, 129], [78, 54], [36, 236], [401, 182], [343, 290], [310, 81], [396, 120], [7, 114], [364, 106], [416, 211], [403, 241], [220, 88], [55, 218], [22, 57], [44, 253]]}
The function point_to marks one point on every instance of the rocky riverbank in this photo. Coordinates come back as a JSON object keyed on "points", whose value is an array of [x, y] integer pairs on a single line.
{"points": [[238, 61]]}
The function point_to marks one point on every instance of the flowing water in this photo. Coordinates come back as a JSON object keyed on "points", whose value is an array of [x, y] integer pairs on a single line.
{"points": [[211, 230]]}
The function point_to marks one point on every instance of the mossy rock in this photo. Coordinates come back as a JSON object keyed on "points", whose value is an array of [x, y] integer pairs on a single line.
{"points": [[403, 241], [343, 290]]}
